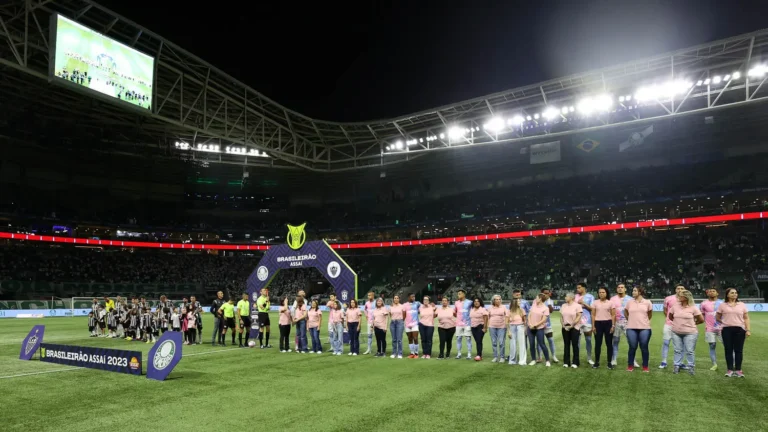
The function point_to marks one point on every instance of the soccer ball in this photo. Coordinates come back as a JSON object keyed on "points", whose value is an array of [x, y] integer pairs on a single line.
{"points": [[251, 344]]}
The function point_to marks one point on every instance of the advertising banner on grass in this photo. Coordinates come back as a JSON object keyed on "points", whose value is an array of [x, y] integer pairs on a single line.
{"points": [[32, 342], [111, 360], [164, 356]]}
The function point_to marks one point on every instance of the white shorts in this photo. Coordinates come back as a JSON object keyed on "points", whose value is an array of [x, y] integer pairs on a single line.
{"points": [[412, 329], [621, 328], [713, 337], [667, 334], [465, 331], [585, 328]]}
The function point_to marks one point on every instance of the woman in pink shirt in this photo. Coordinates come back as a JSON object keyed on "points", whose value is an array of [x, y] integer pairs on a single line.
{"points": [[604, 322], [381, 317], [733, 317], [427, 326], [284, 323], [498, 319], [353, 327], [446, 327], [336, 320], [517, 332], [315, 319], [638, 313], [570, 321], [685, 316], [537, 323], [478, 321], [397, 325]]}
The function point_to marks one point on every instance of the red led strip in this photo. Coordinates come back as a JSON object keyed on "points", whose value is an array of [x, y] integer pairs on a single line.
{"points": [[403, 243]]}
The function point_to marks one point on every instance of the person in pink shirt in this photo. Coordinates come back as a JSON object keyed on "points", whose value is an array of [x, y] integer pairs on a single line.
{"points": [[353, 327], [381, 317], [427, 314], [369, 307], [478, 320], [570, 322], [685, 317], [300, 321], [284, 323], [712, 335], [397, 325], [733, 318], [619, 302], [604, 323], [517, 331], [669, 301], [638, 312], [498, 320], [537, 323], [314, 321], [336, 319], [446, 327]]}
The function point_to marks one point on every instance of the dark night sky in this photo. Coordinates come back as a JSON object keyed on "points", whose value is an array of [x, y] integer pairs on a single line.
{"points": [[351, 61]]}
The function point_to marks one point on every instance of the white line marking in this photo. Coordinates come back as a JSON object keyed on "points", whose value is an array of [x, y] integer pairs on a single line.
{"points": [[209, 352], [40, 373]]}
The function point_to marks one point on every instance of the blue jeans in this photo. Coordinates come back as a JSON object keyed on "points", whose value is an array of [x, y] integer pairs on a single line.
{"points": [[537, 335], [316, 345], [337, 335], [397, 327], [685, 346], [354, 337], [635, 337], [499, 342], [301, 332]]}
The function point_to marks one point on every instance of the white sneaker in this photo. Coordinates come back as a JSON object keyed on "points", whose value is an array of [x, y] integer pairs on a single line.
{"points": [[319, 352], [532, 363], [458, 357], [591, 362], [300, 352], [575, 366], [289, 350], [565, 366], [495, 360], [349, 354], [469, 357], [354, 354], [296, 348], [636, 364], [613, 363], [392, 356], [548, 365], [282, 351], [367, 352], [555, 360], [399, 356]]}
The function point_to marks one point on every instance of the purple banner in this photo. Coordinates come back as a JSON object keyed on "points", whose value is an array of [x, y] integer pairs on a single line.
{"points": [[111, 360], [317, 254], [32, 342], [164, 356]]}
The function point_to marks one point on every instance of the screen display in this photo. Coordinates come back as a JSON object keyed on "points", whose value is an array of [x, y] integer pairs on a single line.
{"points": [[89, 59]]}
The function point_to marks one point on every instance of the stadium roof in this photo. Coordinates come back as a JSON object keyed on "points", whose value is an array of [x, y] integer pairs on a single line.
{"points": [[194, 103]]}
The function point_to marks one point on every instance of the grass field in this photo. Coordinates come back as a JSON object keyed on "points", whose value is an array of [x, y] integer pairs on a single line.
{"points": [[216, 389]]}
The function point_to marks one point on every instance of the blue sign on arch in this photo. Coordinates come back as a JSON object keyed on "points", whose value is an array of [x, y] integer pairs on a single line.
{"points": [[317, 254]]}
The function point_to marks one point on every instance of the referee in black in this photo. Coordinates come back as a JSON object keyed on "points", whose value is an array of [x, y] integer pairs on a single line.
{"points": [[218, 321]]}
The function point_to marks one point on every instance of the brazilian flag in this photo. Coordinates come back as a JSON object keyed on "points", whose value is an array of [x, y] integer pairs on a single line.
{"points": [[586, 144]]}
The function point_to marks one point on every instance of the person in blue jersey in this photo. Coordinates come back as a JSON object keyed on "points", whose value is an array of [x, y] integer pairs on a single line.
{"points": [[548, 330], [412, 325], [463, 329], [619, 302], [586, 300]]}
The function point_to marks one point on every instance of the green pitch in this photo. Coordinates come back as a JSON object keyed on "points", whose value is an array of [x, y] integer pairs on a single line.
{"points": [[102, 64], [215, 389]]}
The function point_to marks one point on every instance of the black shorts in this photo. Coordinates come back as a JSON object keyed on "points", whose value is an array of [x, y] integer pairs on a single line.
{"points": [[246, 321], [229, 323], [263, 319], [101, 325], [91, 328], [199, 322]]}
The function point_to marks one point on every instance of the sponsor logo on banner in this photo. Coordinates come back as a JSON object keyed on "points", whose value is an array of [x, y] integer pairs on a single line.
{"points": [[545, 152], [30, 345], [636, 138], [761, 275], [758, 307], [296, 260], [164, 355], [93, 357], [262, 274], [344, 295], [296, 236], [334, 269]]}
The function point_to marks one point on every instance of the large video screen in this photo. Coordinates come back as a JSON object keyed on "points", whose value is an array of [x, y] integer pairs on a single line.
{"points": [[86, 58]]}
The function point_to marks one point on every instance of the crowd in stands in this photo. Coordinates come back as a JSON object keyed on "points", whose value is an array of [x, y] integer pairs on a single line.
{"points": [[698, 257]]}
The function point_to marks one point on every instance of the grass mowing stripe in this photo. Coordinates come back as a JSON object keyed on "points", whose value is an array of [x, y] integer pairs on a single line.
{"points": [[39, 373]]}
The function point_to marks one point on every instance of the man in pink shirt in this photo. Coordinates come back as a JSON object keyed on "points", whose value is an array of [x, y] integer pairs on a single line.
{"points": [[669, 302], [369, 307], [712, 336]]}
